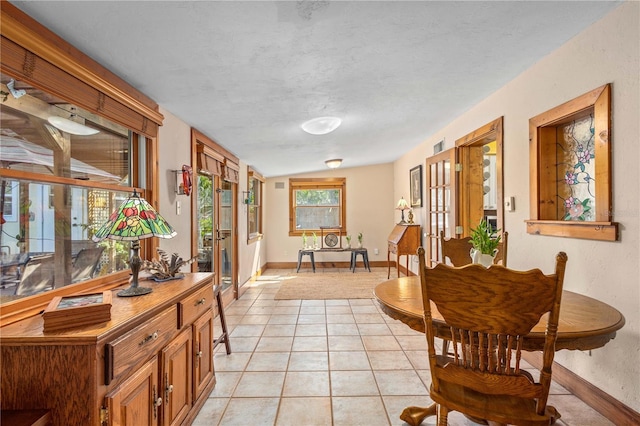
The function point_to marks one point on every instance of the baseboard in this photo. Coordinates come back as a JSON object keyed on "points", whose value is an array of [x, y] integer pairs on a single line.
{"points": [[596, 398], [321, 264]]}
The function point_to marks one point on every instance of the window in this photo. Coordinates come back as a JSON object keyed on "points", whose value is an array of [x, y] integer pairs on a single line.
{"points": [[253, 202], [59, 186], [316, 203], [570, 162]]}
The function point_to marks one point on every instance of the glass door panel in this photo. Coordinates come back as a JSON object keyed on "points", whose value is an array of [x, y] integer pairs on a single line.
{"points": [[226, 237], [206, 218], [441, 181]]}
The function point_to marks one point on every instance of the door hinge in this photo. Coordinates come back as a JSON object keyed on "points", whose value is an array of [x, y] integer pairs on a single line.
{"points": [[104, 416], [458, 167]]}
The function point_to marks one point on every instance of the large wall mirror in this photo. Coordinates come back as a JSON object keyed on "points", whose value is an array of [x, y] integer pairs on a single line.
{"points": [[480, 187]]}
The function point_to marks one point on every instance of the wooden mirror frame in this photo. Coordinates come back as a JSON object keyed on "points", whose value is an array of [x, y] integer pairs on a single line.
{"points": [[543, 130]]}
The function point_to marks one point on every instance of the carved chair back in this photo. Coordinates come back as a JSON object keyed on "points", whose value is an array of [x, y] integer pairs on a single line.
{"points": [[457, 250], [489, 312]]}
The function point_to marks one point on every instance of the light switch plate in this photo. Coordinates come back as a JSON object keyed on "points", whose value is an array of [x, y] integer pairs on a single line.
{"points": [[509, 204]]}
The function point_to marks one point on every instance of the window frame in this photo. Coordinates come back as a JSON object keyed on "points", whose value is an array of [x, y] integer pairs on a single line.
{"points": [[543, 169], [37, 56], [256, 202], [317, 183]]}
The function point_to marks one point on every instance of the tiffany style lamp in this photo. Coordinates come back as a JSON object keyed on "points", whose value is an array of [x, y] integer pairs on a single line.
{"points": [[134, 220]]}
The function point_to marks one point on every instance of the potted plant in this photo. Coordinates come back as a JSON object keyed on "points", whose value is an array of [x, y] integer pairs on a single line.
{"points": [[485, 241], [315, 241], [360, 240], [304, 240], [348, 241]]}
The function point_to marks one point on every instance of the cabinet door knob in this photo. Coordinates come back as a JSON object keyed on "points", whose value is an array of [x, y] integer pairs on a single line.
{"points": [[158, 402], [201, 301], [199, 354]]}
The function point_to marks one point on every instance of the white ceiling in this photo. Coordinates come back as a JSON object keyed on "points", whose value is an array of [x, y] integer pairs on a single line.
{"points": [[247, 74]]}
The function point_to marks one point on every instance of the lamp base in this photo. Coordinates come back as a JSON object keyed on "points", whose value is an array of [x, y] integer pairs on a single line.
{"points": [[134, 291]]}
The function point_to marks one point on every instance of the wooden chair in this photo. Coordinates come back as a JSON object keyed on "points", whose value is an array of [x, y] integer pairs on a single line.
{"points": [[489, 312], [38, 276], [457, 250]]}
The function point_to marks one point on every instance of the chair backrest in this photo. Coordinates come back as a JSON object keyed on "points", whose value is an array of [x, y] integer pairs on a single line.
{"points": [[38, 276], [489, 311], [86, 263], [457, 250]]}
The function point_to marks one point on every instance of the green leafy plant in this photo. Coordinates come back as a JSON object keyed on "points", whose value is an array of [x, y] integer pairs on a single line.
{"points": [[360, 237], [348, 239], [484, 238]]}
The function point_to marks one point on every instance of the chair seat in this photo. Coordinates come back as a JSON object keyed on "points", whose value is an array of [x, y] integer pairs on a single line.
{"points": [[498, 408]]}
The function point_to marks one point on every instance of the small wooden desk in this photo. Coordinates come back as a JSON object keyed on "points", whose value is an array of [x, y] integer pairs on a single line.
{"points": [[585, 323]]}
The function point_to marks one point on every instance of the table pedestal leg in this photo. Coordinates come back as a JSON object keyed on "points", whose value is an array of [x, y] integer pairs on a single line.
{"points": [[415, 415]]}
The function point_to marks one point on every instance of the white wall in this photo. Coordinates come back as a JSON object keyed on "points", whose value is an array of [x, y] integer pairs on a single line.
{"points": [[174, 141], [607, 52], [251, 257], [370, 210]]}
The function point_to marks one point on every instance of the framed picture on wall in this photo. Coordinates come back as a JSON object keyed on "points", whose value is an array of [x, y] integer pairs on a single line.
{"points": [[415, 186]]}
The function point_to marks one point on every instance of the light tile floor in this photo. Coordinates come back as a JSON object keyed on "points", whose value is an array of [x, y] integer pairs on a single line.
{"points": [[328, 362]]}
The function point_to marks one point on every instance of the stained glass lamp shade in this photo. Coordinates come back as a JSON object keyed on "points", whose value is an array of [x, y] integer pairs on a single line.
{"points": [[134, 220], [402, 206]]}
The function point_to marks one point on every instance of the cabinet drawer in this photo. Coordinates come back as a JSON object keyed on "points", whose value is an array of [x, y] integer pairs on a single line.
{"points": [[139, 344], [195, 305]]}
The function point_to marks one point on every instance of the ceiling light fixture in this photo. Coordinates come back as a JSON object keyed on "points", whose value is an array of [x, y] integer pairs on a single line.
{"points": [[321, 125], [333, 164], [70, 126]]}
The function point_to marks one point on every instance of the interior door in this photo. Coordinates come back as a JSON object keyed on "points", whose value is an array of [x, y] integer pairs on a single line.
{"points": [[441, 201]]}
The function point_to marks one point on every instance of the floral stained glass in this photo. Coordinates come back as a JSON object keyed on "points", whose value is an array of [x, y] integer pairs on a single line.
{"points": [[576, 170]]}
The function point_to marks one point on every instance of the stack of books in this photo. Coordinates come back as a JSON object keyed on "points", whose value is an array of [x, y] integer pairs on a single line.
{"points": [[77, 311]]}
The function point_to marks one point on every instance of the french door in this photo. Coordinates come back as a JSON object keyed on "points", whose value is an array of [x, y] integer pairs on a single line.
{"points": [[216, 225], [441, 201]]}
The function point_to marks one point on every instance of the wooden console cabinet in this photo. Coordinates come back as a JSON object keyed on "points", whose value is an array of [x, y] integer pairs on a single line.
{"points": [[403, 240], [151, 364]]}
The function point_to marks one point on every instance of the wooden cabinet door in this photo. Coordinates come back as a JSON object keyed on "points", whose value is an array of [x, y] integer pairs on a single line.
{"points": [[135, 402], [202, 353], [176, 378]]}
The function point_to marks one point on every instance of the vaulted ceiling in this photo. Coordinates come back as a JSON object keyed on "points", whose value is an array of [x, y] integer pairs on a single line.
{"points": [[248, 73]]}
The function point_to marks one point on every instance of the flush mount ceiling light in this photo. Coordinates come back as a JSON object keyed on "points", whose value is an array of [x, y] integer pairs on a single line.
{"points": [[321, 125], [333, 164], [70, 126]]}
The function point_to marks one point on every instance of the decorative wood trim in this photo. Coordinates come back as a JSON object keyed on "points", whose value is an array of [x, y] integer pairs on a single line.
{"points": [[34, 37], [602, 402], [602, 231]]}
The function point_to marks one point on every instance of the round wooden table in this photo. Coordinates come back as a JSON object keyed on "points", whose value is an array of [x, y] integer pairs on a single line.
{"points": [[585, 323]]}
